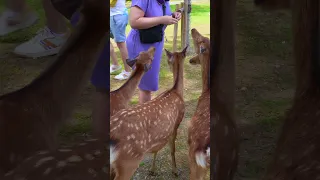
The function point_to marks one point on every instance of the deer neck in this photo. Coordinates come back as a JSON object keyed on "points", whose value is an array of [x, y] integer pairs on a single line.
{"points": [[306, 44], [59, 86], [178, 78], [127, 89], [205, 70]]}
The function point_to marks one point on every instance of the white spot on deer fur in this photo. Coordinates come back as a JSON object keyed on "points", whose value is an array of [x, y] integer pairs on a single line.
{"points": [[74, 158], [47, 171], [201, 159], [133, 136], [154, 122], [91, 140], [43, 160], [61, 164], [64, 150]]}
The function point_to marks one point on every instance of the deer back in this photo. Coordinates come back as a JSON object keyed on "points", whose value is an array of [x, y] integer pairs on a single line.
{"points": [[147, 127]]}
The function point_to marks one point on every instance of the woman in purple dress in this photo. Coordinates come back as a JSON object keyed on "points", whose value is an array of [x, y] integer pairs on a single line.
{"points": [[143, 15]]}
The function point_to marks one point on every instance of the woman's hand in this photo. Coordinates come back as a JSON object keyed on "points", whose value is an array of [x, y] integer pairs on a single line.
{"points": [[176, 15], [168, 20]]}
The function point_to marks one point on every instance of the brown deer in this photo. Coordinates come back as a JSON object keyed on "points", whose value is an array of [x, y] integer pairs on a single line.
{"points": [[199, 125], [297, 151], [120, 98], [30, 118], [84, 161], [223, 134], [148, 127]]}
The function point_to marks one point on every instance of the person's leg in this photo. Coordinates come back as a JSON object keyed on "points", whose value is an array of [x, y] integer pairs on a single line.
{"points": [[55, 21], [144, 96], [124, 55], [115, 67], [113, 56], [48, 40], [120, 38]]}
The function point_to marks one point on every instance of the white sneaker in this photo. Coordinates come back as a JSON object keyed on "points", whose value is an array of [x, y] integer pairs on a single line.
{"points": [[123, 75], [45, 43], [25, 19], [114, 69]]}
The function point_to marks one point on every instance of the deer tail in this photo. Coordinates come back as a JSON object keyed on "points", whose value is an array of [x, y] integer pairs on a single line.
{"points": [[202, 157], [113, 151]]}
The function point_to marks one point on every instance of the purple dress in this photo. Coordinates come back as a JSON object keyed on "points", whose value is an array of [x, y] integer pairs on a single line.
{"points": [[151, 8]]}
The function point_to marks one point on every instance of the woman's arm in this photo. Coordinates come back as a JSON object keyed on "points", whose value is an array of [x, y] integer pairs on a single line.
{"points": [[138, 21]]}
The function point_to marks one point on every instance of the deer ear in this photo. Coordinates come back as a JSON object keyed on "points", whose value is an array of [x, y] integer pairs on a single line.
{"points": [[168, 53], [131, 63], [184, 51]]}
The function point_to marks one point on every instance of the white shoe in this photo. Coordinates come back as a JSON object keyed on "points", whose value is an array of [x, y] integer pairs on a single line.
{"points": [[25, 19], [45, 43], [114, 69], [123, 75]]}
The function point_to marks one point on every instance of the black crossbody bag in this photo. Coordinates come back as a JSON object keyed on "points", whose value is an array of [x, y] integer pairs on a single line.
{"points": [[153, 34]]}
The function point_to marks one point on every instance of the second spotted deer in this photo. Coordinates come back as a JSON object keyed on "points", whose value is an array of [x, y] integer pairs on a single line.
{"points": [[119, 99], [199, 125], [148, 127]]}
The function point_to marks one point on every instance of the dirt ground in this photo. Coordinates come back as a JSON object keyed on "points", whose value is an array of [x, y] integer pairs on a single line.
{"points": [[264, 88]]}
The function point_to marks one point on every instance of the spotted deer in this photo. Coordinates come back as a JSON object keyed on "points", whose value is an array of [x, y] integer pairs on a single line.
{"points": [[199, 125], [148, 127], [30, 118], [119, 99], [223, 135], [297, 150], [86, 160]]}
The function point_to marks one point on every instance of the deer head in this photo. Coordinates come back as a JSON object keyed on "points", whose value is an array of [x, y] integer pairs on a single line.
{"points": [[202, 46], [273, 4], [173, 57], [144, 59]]}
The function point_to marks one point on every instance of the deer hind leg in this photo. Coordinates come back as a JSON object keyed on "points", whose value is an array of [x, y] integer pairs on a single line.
{"points": [[124, 170], [172, 145], [153, 168]]}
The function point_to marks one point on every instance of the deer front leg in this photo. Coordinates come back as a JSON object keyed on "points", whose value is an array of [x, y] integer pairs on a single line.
{"points": [[153, 168], [172, 144]]}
